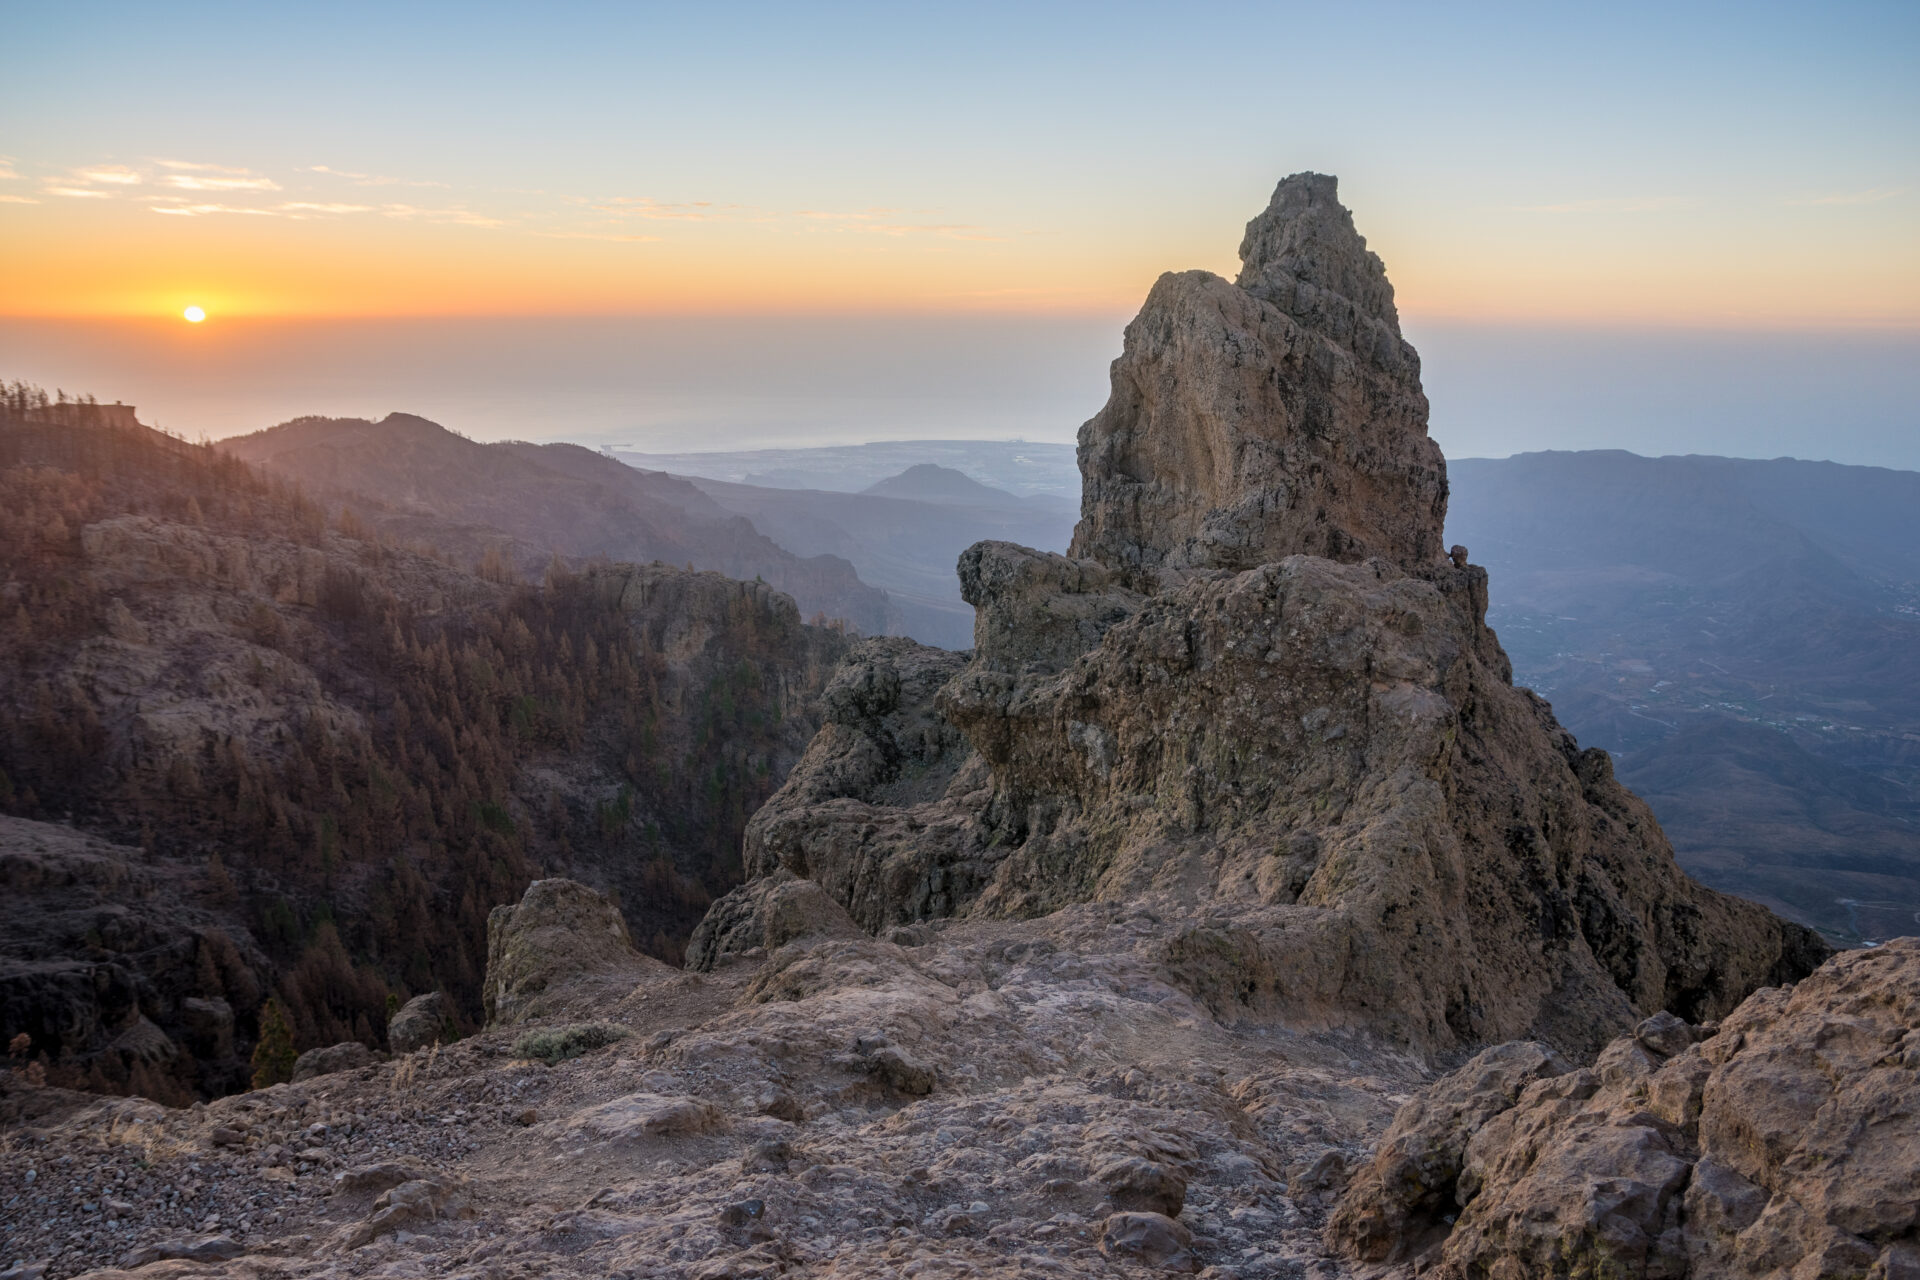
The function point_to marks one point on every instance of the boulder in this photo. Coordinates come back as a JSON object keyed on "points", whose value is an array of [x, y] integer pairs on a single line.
{"points": [[347, 1056], [766, 913], [558, 942], [1396, 1201], [1135, 1183], [421, 1021], [1152, 1239], [645, 1115]]}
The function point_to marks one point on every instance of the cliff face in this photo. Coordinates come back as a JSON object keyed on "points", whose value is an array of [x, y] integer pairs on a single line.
{"points": [[1258, 693]]}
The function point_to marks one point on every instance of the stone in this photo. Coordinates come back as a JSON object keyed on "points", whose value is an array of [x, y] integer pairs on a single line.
{"points": [[368, 1179], [419, 1023], [767, 913], [349, 1055], [1321, 1176], [646, 1115], [209, 1248], [1403, 1194], [1151, 1239], [558, 933], [1785, 1142], [901, 1070], [1664, 1034], [1134, 1183]]}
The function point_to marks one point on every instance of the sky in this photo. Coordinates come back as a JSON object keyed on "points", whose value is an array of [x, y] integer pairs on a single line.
{"points": [[773, 223]]}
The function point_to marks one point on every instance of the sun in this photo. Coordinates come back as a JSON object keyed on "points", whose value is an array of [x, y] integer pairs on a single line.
{"points": [[194, 315]]}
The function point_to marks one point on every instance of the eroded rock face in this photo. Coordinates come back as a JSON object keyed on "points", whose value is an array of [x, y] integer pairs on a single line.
{"points": [[1786, 1141], [540, 948], [106, 952], [766, 913], [880, 810], [1258, 695], [1277, 414]]}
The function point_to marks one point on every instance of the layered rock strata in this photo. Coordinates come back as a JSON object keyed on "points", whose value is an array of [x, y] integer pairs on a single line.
{"points": [[1258, 695]]}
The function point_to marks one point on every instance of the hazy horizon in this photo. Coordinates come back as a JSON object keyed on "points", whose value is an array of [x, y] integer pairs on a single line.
{"points": [[718, 383]]}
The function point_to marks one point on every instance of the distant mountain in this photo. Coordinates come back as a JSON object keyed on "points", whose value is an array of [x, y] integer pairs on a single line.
{"points": [[904, 534], [931, 482], [539, 500], [1020, 467], [1745, 637]]}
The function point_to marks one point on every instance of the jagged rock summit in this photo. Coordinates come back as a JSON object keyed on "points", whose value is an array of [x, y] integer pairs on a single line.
{"points": [[1257, 695], [1277, 414]]}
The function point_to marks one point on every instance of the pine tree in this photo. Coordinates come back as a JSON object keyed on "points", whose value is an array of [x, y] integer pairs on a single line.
{"points": [[273, 1057]]}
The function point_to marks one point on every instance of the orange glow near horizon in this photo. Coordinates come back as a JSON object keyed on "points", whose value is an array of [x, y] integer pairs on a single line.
{"points": [[111, 259]]}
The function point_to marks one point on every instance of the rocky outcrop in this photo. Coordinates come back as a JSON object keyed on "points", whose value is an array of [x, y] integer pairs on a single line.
{"points": [[1274, 415], [880, 810], [765, 914], [1785, 1141], [540, 949], [1258, 695]]}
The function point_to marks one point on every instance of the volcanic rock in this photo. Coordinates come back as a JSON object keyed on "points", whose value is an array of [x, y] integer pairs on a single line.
{"points": [[1258, 694], [1785, 1142], [348, 1056], [1275, 415], [559, 931], [420, 1022], [766, 913]]}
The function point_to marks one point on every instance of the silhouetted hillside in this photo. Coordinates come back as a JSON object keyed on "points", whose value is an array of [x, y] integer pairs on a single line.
{"points": [[332, 755], [538, 500]]}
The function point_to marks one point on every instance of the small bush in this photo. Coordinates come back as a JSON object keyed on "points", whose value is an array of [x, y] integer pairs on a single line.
{"points": [[557, 1044]]}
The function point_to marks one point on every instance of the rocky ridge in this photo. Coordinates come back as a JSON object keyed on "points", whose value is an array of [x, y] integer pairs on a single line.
{"points": [[1258, 695]]}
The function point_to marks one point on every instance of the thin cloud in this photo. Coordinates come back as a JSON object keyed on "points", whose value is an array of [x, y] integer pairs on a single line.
{"points": [[307, 206], [901, 230], [862, 215], [6, 170], [200, 210], [77, 193], [1873, 196], [457, 217], [190, 166], [882, 221], [646, 207], [371, 179], [113, 176], [18, 200], [189, 182], [596, 235], [1614, 204]]}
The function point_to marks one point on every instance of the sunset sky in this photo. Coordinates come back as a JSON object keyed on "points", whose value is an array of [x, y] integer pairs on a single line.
{"points": [[1739, 168]]}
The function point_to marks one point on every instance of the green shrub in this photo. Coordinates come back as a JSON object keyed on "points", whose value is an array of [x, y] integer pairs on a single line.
{"points": [[557, 1044]]}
